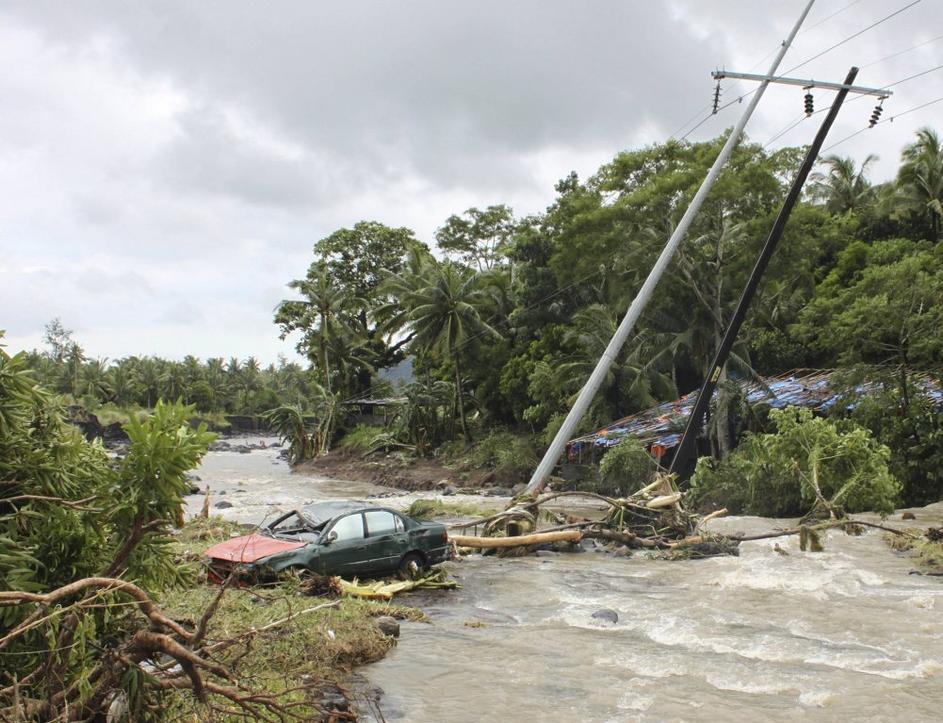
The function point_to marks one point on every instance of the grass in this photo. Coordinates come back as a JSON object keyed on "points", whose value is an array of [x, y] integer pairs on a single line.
{"points": [[360, 439], [295, 661], [511, 456], [927, 554], [425, 509]]}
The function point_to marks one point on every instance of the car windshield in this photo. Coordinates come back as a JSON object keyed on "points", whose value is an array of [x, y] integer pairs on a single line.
{"points": [[294, 525]]}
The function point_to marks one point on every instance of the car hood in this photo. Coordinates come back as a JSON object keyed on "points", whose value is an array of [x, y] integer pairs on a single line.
{"points": [[250, 548]]}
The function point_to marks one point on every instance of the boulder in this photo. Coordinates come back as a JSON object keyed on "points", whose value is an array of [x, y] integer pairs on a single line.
{"points": [[223, 505], [388, 625], [607, 615]]}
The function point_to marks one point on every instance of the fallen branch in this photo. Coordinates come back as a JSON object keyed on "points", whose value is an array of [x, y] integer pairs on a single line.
{"points": [[822, 526], [626, 538], [107, 584], [520, 541]]}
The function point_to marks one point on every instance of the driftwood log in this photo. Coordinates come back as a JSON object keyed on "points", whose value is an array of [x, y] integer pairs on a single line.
{"points": [[519, 541]]}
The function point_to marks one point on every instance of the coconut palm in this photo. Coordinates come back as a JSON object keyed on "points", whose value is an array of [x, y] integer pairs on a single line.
{"points": [[95, 380], [147, 376], [320, 316], [920, 178], [843, 188], [445, 314]]}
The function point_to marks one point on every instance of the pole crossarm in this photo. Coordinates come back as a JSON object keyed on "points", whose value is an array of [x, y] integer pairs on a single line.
{"points": [[879, 92]]}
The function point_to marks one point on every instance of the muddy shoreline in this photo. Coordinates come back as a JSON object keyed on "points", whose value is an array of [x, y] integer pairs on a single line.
{"points": [[403, 474]]}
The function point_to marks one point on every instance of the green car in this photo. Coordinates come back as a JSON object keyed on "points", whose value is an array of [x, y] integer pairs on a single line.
{"points": [[346, 539]]}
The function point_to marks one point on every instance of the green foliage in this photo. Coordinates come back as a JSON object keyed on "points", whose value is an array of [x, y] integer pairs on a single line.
{"points": [[809, 464], [512, 456], [288, 422], [433, 509], [880, 305], [68, 511], [625, 468], [361, 439], [902, 417], [479, 237]]}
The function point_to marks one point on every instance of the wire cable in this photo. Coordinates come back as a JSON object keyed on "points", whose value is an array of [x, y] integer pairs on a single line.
{"points": [[826, 19], [740, 98], [792, 125], [854, 35], [890, 119], [902, 52]]}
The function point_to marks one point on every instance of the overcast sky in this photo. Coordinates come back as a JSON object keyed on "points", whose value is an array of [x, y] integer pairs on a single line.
{"points": [[165, 167]]}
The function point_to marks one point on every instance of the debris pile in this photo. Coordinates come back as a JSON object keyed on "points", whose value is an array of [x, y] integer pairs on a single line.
{"points": [[651, 518]]}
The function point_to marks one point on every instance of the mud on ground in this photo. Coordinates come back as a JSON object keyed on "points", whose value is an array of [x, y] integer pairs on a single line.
{"points": [[400, 472]]}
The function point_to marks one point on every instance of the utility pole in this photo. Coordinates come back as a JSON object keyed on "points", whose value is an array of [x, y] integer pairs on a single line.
{"points": [[539, 478], [683, 462]]}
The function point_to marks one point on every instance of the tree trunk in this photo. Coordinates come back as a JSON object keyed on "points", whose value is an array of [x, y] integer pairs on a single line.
{"points": [[460, 397]]}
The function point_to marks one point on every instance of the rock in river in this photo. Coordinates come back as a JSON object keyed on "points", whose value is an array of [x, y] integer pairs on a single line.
{"points": [[606, 614], [388, 625], [223, 505]]}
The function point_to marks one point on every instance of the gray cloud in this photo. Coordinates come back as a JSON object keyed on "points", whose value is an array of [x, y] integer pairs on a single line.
{"points": [[189, 153]]}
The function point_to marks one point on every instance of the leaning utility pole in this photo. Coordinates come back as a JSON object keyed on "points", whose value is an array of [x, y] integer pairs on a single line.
{"points": [[588, 391], [682, 464]]}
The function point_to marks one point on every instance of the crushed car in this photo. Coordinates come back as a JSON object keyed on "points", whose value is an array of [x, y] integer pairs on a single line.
{"points": [[333, 538]]}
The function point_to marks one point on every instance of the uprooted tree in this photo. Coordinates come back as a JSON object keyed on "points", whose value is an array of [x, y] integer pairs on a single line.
{"points": [[83, 545], [810, 465]]}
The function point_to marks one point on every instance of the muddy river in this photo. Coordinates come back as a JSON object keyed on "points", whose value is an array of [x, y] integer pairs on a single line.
{"points": [[844, 634]]}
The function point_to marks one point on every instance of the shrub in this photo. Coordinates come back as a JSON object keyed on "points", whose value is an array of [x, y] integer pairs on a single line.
{"points": [[509, 455], [625, 468], [361, 439], [808, 465]]}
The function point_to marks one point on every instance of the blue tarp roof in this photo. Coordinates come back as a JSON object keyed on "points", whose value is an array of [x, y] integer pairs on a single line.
{"points": [[663, 425]]}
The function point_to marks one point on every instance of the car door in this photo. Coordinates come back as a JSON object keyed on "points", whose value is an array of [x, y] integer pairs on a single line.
{"points": [[386, 540], [343, 546]]}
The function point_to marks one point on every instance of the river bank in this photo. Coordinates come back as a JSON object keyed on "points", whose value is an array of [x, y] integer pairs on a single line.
{"points": [[408, 473]]}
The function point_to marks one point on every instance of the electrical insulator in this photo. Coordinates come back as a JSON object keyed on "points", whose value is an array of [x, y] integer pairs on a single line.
{"points": [[716, 96], [808, 103], [876, 114]]}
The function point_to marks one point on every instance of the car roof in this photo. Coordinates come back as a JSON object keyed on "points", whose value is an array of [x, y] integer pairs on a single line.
{"points": [[323, 511]]}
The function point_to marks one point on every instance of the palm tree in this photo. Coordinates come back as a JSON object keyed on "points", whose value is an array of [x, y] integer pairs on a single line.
{"points": [[74, 359], [843, 188], [444, 314], [147, 375], [920, 178], [96, 380], [320, 315], [174, 380], [288, 422], [248, 379]]}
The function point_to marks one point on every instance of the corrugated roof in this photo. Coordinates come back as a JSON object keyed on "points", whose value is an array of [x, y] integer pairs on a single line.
{"points": [[663, 425]]}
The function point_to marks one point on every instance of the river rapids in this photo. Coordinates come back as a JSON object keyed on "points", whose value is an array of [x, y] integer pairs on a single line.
{"points": [[772, 635]]}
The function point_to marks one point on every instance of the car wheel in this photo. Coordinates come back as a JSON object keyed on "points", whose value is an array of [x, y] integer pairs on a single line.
{"points": [[412, 566]]}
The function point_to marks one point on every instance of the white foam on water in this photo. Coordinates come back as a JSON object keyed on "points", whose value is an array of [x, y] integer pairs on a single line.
{"points": [[923, 669], [921, 602], [634, 698], [816, 698]]}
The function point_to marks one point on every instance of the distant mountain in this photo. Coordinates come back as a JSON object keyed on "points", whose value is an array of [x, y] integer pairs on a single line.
{"points": [[401, 374]]}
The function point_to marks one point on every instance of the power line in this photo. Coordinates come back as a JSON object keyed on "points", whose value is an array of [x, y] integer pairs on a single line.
{"points": [[826, 19], [854, 35], [902, 52], [792, 125], [685, 124], [740, 98], [886, 120]]}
